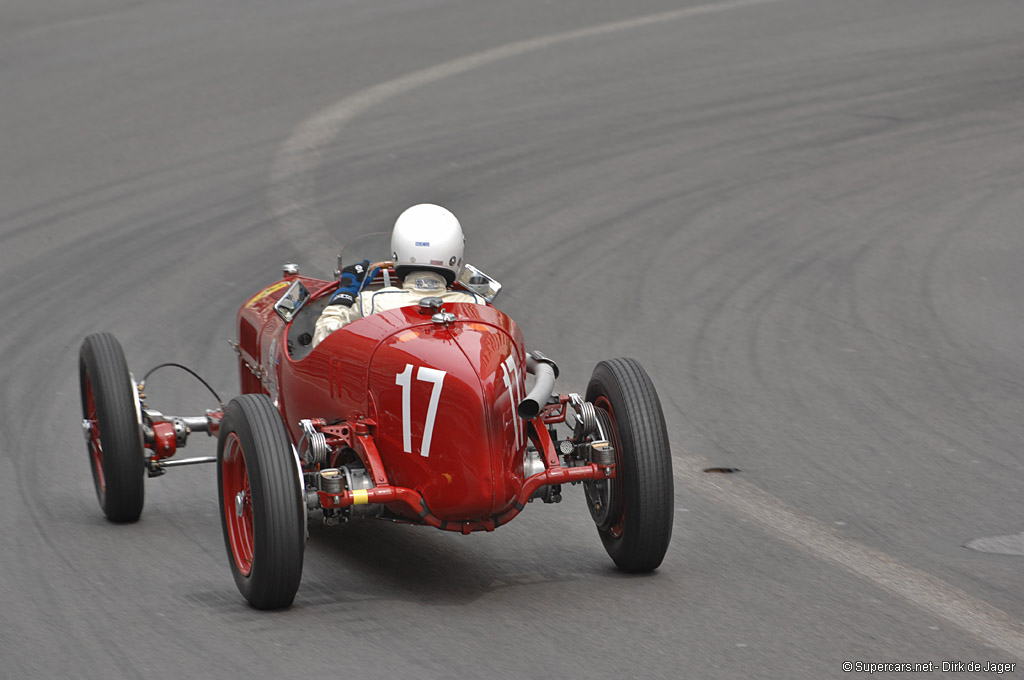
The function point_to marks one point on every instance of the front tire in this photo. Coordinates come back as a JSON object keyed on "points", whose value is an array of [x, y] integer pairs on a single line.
{"points": [[113, 435], [635, 521], [261, 503]]}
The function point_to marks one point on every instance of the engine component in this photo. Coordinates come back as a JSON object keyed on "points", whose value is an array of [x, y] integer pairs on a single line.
{"points": [[332, 481], [533, 465], [602, 454], [165, 443], [532, 462], [313, 447], [356, 479], [585, 417], [181, 431], [336, 481]]}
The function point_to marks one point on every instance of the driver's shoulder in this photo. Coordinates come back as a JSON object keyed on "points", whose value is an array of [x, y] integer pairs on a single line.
{"points": [[460, 296]]}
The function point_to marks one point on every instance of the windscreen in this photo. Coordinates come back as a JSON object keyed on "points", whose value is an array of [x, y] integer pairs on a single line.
{"points": [[374, 246]]}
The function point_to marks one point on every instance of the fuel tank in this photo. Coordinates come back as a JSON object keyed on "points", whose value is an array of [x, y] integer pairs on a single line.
{"points": [[444, 396]]}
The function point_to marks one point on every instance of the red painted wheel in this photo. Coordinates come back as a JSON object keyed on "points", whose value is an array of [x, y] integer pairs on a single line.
{"points": [[634, 511], [111, 424], [262, 513], [235, 485]]}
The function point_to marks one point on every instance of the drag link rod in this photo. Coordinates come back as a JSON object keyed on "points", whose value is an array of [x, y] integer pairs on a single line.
{"points": [[188, 461]]}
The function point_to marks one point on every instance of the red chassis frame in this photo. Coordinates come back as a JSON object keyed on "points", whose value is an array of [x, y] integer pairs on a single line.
{"points": [[359, 439], [162, 439]]}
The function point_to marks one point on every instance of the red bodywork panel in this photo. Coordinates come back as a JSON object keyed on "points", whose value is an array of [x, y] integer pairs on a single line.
{"points": [[440, 399]]}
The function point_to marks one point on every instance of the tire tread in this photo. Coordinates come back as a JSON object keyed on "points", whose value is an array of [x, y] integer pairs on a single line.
{"points": [[278, 543], [102, 358], [642, 429]]}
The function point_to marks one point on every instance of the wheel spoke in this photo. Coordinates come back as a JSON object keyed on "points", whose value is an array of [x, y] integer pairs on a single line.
{"points": [[95, 441], [239, 518]]}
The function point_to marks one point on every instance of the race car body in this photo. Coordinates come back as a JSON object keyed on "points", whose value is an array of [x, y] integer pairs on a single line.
{"points": [[441, 397], [419, 414]]}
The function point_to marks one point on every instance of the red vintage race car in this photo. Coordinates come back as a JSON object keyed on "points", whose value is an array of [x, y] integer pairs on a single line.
{"points": [[419, 414]]}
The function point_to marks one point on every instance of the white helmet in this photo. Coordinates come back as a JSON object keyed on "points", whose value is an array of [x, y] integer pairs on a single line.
{"points": [[427, 236]]}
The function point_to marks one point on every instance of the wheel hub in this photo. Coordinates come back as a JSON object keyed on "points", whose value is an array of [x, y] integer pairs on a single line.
{"points": [[240, 499], [603, 495]]}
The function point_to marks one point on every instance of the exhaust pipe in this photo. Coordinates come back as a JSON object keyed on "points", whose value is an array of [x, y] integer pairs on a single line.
{"points": [[545, 371]]}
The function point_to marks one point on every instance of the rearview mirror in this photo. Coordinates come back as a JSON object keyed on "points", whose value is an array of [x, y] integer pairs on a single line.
{"points": [[474, 280], [292, 300]]}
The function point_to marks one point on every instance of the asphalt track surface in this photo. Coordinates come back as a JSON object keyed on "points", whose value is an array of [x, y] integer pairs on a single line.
{"points": [[802, 216]]}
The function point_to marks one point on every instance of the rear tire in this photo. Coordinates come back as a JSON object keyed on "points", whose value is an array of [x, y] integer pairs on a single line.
{"points": [[262, 514], [114, 438], [636, 525]]}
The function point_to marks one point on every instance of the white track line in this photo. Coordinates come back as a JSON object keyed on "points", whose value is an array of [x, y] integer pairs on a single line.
{"points": [[930, 593], [292, 207], [293, 175]]}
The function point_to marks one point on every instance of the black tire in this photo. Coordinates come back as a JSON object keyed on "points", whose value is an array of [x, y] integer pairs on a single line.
{"points": [[636, 526], [116, 453], [262, 513]]}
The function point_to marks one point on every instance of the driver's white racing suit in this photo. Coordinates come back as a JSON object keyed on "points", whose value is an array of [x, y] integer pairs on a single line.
{"points": [[415, 287]]}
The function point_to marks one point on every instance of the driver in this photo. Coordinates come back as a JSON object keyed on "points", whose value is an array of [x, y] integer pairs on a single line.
{"points": [[427, 246]]}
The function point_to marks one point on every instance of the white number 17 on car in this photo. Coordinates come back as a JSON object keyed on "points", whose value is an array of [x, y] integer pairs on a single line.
{"points": [[430, 375], [436, 377]]}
